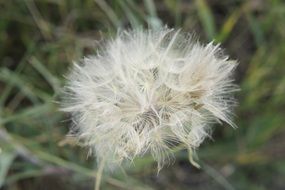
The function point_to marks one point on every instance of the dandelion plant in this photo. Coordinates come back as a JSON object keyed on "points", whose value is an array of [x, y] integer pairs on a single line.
{"points": [[148, 91]]}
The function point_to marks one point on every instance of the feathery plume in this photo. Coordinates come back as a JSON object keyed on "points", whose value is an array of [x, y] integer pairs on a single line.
{"points": [[148, 91]]}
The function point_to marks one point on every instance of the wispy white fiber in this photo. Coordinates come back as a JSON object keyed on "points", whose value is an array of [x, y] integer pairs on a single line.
{"points": [[147, 92]]}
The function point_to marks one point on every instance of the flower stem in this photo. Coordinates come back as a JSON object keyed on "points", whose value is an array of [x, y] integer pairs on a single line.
{"points": [[99, 174]]}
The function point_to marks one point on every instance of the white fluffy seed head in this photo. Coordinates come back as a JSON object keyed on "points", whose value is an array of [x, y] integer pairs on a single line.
{"points": [[147, 92]]}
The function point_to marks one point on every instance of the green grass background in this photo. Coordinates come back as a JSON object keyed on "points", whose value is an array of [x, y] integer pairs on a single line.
{"points": [[39, 39]]}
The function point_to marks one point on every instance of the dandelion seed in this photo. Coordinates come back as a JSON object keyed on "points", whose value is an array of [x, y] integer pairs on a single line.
{"points": [[147, 92]]}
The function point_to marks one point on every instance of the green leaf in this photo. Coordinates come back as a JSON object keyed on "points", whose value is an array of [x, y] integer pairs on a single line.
{"points": [[6, 160]]}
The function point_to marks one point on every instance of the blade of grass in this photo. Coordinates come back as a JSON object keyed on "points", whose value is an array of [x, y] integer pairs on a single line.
{"points": [[14, 79], [206, 16], [152, 19], [23, 175], [109, 12], [43, 26], [19, 148], [27, 113], [7, 90], [256, 29], [6, 160], [52, 80], [140, 14], [150, 6], [229, 25], [217, 176], [132, 17], [178, 14], [24, 86]]}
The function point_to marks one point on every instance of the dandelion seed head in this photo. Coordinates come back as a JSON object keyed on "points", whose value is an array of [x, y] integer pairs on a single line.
{"points": [[147, 92]]}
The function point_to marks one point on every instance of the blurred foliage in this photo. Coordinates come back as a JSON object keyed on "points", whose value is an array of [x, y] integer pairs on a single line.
{"points": [[39, 39]]}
